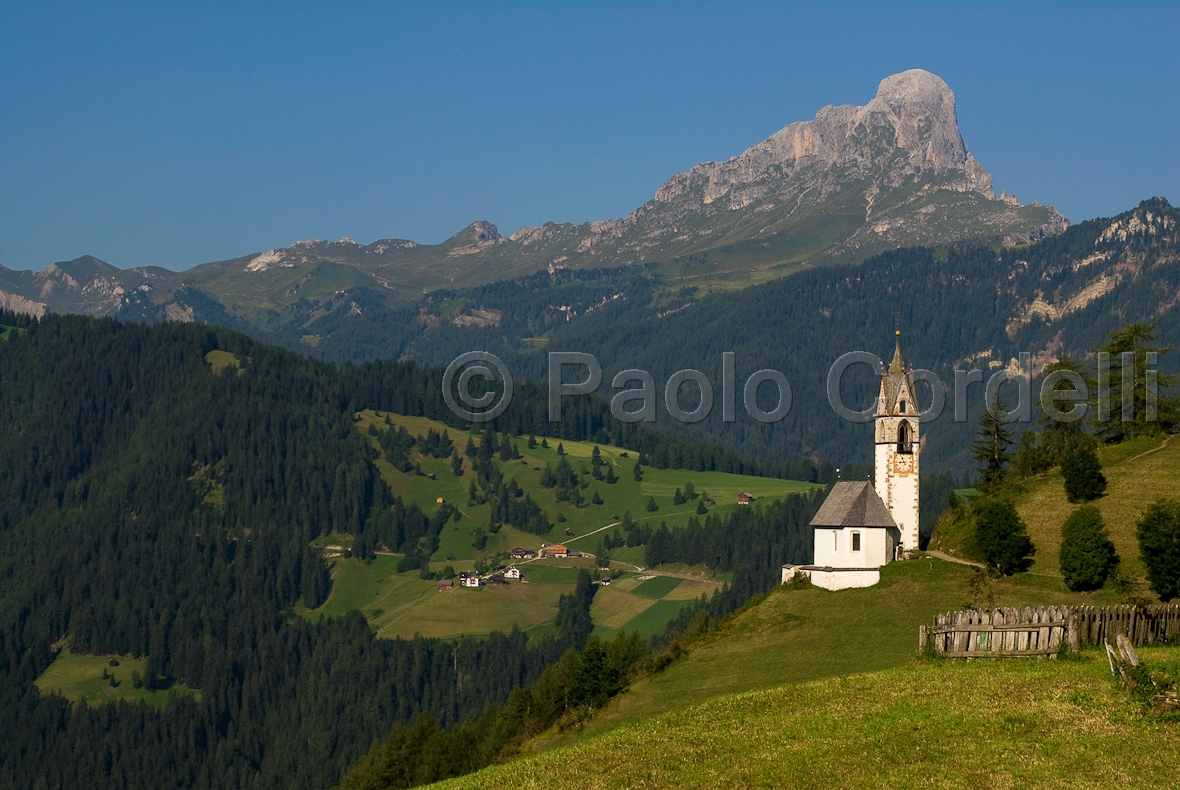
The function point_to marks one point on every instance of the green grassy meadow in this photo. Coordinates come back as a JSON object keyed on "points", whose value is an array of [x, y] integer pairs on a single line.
{"points": [[624, 495], [79, 678], [802, 635], [404, 604], [223, 360], [969, 724], [1137, 472]]}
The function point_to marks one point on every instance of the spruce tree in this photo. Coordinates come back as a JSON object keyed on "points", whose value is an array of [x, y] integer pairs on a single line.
{"points": [[992, 443], [1158, 532], [1003, 537], [1083, 476], [1087, 556]]}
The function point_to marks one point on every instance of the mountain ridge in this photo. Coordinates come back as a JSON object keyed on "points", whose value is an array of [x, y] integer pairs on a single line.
{"points": [[850, 183]]}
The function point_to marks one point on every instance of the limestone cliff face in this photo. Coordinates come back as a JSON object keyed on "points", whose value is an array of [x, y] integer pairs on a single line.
{"points": [[912, 113], [898, 162]]}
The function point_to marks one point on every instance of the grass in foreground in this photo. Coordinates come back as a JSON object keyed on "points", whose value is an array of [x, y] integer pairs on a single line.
{"points": [[1016, 723], [800, 635]]}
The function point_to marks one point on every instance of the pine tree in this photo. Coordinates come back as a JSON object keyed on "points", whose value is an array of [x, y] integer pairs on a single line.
{"points": [[992, 443], [652, 507], [560, 449]]}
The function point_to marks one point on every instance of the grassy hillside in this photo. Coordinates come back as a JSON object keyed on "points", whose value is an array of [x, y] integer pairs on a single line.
{"points": [[933, 724], [1137, 473], [799, 635], [626, 494], [404, 604]]}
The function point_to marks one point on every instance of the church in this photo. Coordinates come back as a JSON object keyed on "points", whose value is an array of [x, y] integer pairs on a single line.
{"points": [[863, 526]]}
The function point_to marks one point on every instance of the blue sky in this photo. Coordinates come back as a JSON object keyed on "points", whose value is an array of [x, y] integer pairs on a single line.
{"points": [[179, 135]]}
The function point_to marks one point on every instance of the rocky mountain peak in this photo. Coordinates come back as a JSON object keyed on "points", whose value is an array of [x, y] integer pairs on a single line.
{"points": [[923, 110]]}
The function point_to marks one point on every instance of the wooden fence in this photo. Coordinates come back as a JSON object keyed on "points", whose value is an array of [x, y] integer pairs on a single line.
{"points": [[1040, 631]]}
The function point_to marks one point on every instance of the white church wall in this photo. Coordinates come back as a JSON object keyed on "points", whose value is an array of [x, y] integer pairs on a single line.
{"points": [[834, 547], [845, 580]]}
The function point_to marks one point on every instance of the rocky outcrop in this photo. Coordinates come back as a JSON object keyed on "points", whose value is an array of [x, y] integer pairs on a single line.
{"points": [[16, 303]]}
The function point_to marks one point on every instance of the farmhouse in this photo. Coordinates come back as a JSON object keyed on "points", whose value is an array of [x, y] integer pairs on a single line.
{"points": [[512, 573], [522, 554], [497, 578], [469, 579], [444, 584], [557, 550], [745, 499], [860, 528]]}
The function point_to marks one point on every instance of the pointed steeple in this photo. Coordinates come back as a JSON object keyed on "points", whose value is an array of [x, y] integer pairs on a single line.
{"points": [[897, 365], [895, 381]]}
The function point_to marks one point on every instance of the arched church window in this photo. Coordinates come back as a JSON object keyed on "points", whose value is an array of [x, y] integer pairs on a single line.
{"points": [[903, 438]]}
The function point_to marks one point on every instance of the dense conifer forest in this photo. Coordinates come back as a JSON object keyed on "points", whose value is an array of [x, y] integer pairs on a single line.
{"points": [[151, 506]]}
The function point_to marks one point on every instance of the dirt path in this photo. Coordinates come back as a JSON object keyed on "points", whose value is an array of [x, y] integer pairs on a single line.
{"points": [[949, 558], [1163, 444]]}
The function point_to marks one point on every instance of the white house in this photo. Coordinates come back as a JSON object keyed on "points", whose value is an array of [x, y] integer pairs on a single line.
{"points": [[468, 579], [512, 573]]}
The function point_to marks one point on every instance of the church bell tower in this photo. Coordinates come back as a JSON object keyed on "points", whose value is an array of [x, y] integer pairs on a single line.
{"points": [[897, 448]]}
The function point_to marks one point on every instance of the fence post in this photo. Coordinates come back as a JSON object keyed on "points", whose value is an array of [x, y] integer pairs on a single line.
{"points": [[1074, 625]]}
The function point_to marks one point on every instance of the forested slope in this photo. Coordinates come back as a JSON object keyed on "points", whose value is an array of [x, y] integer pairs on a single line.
{"points": [[149, 506]]}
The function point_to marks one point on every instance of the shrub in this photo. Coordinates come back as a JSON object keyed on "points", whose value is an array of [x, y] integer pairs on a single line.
{"points": [[1087, 555], [1082, 471], [1003, 537], [1159, 545]]}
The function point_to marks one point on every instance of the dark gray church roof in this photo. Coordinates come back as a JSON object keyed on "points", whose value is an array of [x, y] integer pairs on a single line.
{"points": [[853, 504]]}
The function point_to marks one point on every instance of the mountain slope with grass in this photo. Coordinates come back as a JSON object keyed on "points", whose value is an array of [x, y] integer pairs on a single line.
{"points": [[401, 599], [930, 724], [1137, 471]]}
